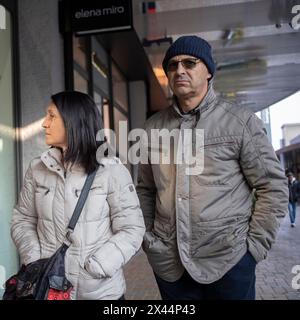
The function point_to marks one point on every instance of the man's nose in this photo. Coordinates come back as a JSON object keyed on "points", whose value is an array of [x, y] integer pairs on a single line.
{"points": [[180, 69]]}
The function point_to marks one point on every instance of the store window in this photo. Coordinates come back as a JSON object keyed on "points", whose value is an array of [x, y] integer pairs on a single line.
{"points": [[91, 73], [119, 89], [120, 109], [103, 107], [100, 66], [100, 75], [81, 76], [80, 82], [106, 117], [79, 51], [97, 75], [8, 186], [99, 101]]}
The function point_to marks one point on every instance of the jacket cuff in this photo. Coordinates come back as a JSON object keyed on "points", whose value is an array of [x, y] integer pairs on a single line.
{"points": [[30, 257], [258, 255]]}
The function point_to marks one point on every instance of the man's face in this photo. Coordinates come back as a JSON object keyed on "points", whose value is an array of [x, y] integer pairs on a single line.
{"points": [[187, 78]]}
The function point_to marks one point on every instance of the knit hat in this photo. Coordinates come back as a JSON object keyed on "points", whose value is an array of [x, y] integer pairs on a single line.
{"points": [[192, 46]]}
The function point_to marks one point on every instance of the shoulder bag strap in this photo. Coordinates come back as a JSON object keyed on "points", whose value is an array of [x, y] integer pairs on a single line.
{"points": [[81, 201]]}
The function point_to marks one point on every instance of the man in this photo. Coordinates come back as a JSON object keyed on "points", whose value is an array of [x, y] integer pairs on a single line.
{"points": [[203, 237], [294, 187]]}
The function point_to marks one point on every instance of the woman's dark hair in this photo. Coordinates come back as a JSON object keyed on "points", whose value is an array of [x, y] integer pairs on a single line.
{"points": [[82, 121]]}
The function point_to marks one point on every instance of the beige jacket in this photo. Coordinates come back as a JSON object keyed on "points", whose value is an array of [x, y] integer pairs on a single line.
{"points": [[108, 233], [205, 223]]}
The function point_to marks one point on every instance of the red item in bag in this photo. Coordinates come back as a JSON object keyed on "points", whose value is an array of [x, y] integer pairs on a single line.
{"points": [[59, 295]]}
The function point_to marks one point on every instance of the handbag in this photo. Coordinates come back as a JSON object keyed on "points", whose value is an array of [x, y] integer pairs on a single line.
{"points": [[45, 278]]}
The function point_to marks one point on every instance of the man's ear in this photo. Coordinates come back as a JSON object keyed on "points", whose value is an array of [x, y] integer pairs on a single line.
{"points": [[209, 76]]}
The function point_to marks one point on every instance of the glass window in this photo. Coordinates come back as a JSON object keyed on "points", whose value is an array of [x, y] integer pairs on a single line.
{"points": [[119, 88], [101, 53], [80, 83], [100, 67], [100, 74], [106, 119], [9, 263], [119, 116], [98, 101], [79, 51]]}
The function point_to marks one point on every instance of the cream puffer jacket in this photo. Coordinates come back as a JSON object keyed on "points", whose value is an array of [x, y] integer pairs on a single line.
{"points": [[108, 233]]}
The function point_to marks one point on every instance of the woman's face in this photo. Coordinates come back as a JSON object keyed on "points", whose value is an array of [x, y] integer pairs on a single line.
{"points": [[55, 131]]}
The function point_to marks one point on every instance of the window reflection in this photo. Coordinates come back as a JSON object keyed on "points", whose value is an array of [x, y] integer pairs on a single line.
{"points": [[79, 51], [80, 83], [119, 88]]}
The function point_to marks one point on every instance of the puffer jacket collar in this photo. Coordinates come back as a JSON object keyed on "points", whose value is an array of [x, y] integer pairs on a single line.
{"points": [[52, 158]]}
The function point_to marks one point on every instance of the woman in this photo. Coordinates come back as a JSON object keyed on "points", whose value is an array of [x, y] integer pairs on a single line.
{"points": [[110, 228]]}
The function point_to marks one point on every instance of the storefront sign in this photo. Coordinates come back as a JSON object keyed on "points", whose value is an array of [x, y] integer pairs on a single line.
{"points": [[92, 16]]}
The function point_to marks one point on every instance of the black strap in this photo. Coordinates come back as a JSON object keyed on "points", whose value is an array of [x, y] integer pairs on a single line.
{"points": [[81, 201]]}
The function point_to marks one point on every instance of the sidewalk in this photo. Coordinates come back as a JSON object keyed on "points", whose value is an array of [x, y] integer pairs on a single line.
{"points": [[274, 276]]}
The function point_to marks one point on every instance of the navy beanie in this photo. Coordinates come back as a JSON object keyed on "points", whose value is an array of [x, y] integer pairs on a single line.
{"points": [[192, 46]]}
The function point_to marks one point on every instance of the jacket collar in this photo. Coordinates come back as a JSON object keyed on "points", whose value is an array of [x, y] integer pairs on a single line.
{"points": [[207, 101], [52, 158]]}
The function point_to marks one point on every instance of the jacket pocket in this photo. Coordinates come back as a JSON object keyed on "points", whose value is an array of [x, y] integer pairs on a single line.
{"points": [[218, 144], [96, 207], [162, 255], [153, 243], [215, 238], [209, 203], [85, 274], [95, 190], [43, 201], [162, 227], [42, 189], [220, 158]]}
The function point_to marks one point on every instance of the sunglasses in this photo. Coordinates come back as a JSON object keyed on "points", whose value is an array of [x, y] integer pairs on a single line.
{"points": [[188, 64]]}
